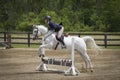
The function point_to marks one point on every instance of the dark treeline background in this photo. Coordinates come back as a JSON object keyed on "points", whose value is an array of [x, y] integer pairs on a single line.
{"points": [[76, 15]]}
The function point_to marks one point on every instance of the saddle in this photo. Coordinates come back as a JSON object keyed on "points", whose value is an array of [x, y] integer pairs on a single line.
{"points": [[61, 40]]}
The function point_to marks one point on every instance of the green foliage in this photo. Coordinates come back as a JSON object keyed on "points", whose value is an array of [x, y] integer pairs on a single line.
{"points": [[76, 15], [26, 21]]}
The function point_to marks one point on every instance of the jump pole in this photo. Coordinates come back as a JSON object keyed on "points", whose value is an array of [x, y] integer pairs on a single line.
{"points": [[43, 49], [72, 70]]}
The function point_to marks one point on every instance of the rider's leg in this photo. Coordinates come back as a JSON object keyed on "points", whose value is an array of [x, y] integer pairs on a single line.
{"points": [[59, 34], [61, 40]]}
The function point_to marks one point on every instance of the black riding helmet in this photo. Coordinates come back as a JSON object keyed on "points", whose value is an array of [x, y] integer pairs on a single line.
{"points": [[48, 17]]}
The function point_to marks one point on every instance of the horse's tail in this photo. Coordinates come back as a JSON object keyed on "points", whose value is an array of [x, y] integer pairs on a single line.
{"points": [[90, 42]]}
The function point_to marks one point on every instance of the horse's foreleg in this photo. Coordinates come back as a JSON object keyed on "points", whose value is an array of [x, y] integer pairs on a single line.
{"points": [[41, 50]]}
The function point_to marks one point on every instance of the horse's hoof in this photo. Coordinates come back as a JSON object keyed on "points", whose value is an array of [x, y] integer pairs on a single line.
{"points": [[41, 55], [91, 70], [36, 69]]}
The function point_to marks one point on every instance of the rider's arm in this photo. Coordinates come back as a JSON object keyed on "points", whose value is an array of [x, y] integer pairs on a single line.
{"points": [[49, 33], [53, 26]]}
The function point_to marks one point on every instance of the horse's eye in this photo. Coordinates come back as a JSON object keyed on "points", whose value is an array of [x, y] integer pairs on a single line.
{"points": [[35, 31]]}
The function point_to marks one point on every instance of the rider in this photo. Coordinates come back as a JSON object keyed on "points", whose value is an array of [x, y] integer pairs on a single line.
{"points": [[57, 28]]}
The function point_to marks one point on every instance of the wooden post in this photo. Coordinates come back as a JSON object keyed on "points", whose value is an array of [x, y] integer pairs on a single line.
{"points": [[4, 36], [9, 39], [105, 40], [28, 39]]}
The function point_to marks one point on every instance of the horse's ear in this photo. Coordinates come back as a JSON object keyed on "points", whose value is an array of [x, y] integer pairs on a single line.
{"points": [[60, 23], [33, 26], [66, 34]]}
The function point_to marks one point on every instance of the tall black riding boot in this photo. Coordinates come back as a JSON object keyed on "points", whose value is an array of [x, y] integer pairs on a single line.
{"points": [[63, 44]]}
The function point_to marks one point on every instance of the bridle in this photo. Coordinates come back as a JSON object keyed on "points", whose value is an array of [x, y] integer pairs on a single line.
{"points": [[36, 35]]}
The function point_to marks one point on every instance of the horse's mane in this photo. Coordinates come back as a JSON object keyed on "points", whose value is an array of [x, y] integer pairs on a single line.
{"points": [[42, 28]]}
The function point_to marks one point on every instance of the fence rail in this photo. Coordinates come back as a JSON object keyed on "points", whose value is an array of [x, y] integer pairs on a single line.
{"points": [[103, 39]]}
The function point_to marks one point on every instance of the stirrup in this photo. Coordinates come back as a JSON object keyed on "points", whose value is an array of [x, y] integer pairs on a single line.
{"points": [[63, 46]]}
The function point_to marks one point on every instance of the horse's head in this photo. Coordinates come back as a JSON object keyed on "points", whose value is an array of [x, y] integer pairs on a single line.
{"points": [[38, 30]]}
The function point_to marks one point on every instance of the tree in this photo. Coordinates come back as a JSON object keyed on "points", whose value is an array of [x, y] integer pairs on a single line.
{"points": [[76, 15]]}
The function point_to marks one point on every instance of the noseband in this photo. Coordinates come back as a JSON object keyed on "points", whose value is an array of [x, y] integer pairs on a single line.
{"points": [[36, 35]]}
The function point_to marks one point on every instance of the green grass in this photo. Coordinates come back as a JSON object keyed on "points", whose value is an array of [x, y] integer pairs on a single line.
{"points": [[113, 47], [37, 46], [25, 46]]}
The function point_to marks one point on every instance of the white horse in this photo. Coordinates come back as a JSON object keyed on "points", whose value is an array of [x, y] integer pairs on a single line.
{"points": [[80, 43]]}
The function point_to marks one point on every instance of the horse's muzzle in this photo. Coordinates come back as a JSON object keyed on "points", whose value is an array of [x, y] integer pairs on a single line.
{"points": [[34, 38]]}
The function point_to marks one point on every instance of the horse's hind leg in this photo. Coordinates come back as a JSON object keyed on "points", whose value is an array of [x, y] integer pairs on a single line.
{"points": [[87, 61]]}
